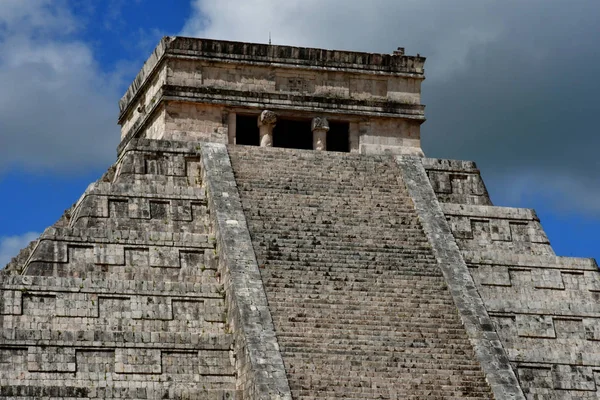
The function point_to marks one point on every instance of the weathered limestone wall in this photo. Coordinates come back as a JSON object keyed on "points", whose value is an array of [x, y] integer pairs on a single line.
{"points": [[195, 122], [544, 307], [148, 286], [146, 107], [156, 124], [500, 229], [389, 136], [186, 121]]}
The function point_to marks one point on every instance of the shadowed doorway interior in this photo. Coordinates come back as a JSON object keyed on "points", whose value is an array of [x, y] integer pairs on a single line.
{"points": [[338, 137], [246, 130], [293, 134]]}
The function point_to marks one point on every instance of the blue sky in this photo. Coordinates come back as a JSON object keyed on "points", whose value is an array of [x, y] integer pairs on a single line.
{"points": [[511, 85]]}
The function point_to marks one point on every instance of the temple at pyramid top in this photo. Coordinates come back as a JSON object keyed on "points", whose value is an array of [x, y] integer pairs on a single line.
{"points": [[281, 96]]}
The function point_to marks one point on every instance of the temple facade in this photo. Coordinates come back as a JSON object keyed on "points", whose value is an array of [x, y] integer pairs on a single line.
{"points": [[255, 94]]}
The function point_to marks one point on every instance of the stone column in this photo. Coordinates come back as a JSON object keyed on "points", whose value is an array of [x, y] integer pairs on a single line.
{"points": [[266, 122], [320, 127]]}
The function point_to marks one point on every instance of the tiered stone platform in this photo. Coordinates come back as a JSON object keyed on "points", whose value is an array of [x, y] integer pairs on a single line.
{"points": [[121, 298]]}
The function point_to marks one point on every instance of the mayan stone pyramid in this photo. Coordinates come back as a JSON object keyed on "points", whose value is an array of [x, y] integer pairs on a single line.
{"points": [[271, 229]]}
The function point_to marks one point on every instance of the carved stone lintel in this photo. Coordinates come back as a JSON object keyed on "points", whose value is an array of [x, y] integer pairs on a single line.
{"points": [[266, 122], [320, 127]]}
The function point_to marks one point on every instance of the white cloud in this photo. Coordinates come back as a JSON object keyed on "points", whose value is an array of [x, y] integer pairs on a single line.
{"points": [[57, 107], [41, 15], [11, 245]]}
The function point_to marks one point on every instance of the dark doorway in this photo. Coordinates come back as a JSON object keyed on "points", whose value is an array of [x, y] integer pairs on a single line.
{"points": [[246, 130], [292, 134], [338, 137]]}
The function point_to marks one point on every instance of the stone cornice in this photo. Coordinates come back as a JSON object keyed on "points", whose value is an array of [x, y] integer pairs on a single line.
{"points": [[298, 102], [274, 55]]}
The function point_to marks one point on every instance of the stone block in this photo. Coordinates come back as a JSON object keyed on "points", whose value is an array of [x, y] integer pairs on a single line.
{"points": [[535, 326], [193, 259], [215, 362], [118, 207], [180, 363], [181, 210], [592, 280], [500, 230], [160, 210], [137, 361], [151, 307], [187, 310], [137, 257], [39, 304], [214, 310], [139, 208], [92, 205], [109, 254], [165, 257], [50, 251], [547, 278], [571, 377], [11, 302], [493, 275], [114, 307], [51, 359], [155, 165], [80, 255], [592, 328], [77, 305], [440, 182], [462, 227], [95, 362], [177, 165], [536, 382]]}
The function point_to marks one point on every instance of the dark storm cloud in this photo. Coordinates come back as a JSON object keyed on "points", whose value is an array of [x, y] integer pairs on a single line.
{"points": [[526, 100], [510, 84]]}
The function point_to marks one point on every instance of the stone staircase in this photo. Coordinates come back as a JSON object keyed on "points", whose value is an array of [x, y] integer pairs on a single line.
{"points": [[121, 298], [360, 307]]}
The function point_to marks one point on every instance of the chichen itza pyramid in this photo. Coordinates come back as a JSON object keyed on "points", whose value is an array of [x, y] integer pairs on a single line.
{"points": [[271, 229]]}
